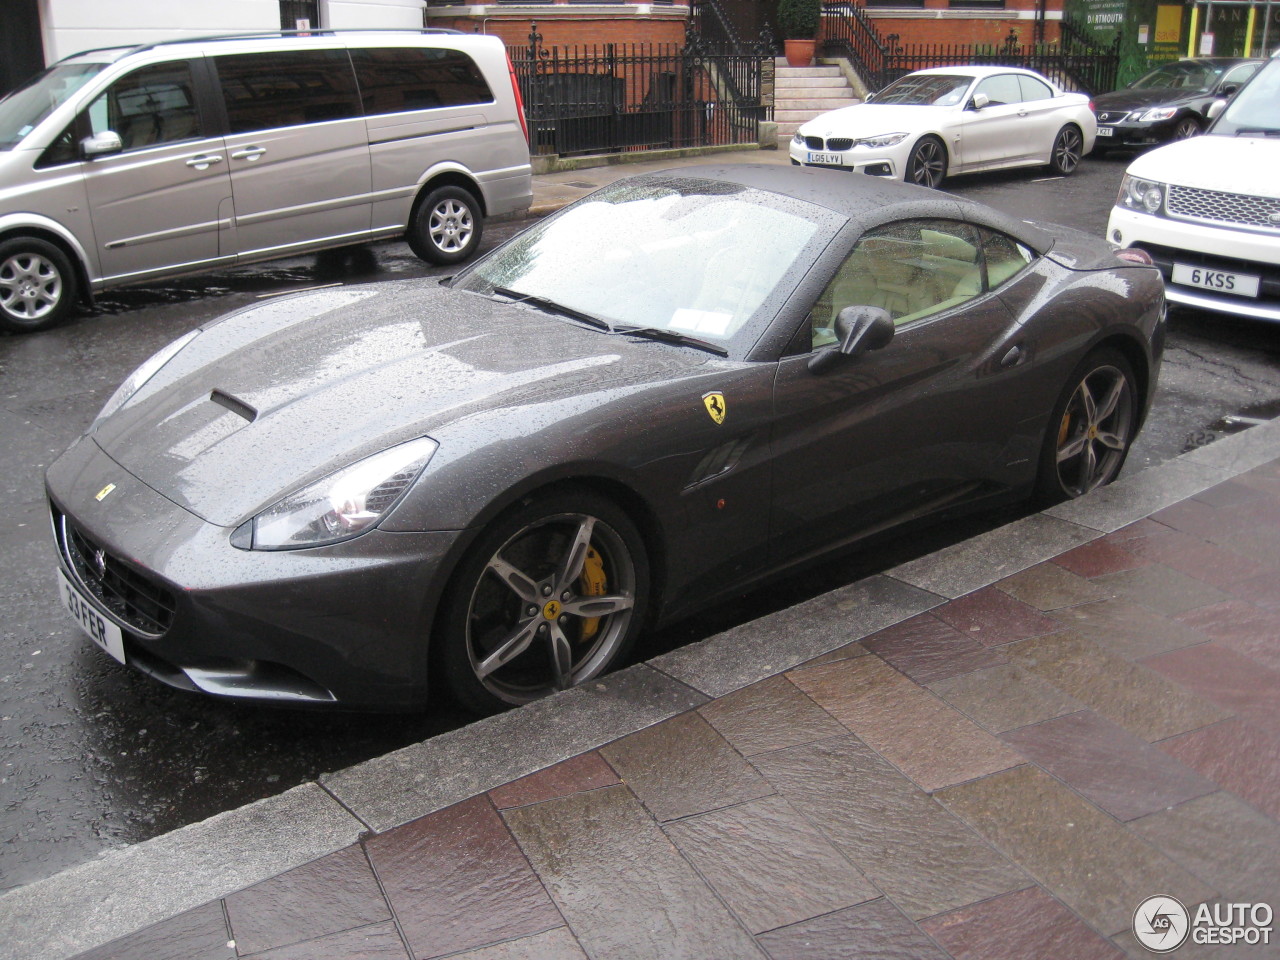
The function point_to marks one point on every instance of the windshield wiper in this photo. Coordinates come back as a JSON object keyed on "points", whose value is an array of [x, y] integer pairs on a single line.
{"points": [[1253, 131], [672, 336], [550, 306]]}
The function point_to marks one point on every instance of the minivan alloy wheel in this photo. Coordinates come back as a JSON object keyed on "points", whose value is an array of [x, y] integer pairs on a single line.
{"points": [[30, 286], [37, 285]]}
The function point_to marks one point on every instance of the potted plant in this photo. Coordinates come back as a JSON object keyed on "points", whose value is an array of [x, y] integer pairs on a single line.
{"points": [[799, 21]]}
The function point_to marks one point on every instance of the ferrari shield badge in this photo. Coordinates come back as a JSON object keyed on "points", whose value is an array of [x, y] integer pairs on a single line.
{"points": [[714, 402]]}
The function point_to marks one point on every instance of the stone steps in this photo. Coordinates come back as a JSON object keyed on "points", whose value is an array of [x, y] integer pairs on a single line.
{"points": [[802, 93]]}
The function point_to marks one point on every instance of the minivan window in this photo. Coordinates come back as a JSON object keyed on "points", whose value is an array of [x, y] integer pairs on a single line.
{"points": [[150, 106], [397, 79], [285, 89], [26, 106]]}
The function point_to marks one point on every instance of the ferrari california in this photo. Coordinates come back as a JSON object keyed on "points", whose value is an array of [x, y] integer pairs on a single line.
{"points": [[934, 123], [678, 386]]}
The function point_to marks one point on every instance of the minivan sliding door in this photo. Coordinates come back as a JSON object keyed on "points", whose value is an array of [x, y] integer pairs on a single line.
{"points": [[297, 149]]}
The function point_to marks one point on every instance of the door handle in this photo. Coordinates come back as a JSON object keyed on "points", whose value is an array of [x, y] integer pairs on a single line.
{"points": [[1012, 358], [204, 161], [248, 153]]}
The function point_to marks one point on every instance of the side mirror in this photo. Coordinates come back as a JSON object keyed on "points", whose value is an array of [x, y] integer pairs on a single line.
{"points": [[1215, 109], [868, 98], [979, 101], [1229, 89], [101, 144], [858, 329]]}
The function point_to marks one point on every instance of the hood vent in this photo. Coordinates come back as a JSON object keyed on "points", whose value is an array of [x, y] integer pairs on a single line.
{"points": [[238, 407]]}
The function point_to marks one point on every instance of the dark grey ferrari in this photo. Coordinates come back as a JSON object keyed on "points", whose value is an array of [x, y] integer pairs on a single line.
{"points": [[680, 385]]}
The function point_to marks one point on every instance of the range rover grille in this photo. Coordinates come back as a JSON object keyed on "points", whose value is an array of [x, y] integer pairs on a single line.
{"points": [[134, 599], [1215, 206]]}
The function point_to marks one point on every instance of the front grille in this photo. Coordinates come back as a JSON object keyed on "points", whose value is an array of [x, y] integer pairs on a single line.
{"points": [[839, 143], [1113, 116], [814, 143], [1215, 206], [134, 599]]}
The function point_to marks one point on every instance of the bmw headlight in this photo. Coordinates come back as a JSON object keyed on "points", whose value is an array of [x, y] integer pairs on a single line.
{"points": [[1156, 114], [342, 505], [798, 138], [883, 140], [1146, 196], [133, 383]]}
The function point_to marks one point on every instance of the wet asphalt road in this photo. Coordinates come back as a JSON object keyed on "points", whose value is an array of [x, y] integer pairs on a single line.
{"points": [[94, 756]]}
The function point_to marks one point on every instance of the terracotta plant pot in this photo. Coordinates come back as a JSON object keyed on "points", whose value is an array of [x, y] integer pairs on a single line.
{"points": [[799, 52]]}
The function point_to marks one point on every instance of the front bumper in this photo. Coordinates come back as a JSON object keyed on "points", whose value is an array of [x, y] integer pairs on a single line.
{"points": [[876, 163], [345, 625], [1213, 248], [1131, 135]]}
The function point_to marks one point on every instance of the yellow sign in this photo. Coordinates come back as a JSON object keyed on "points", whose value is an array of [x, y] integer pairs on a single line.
{"points": [[551, 610], [1168, 24], [715, 405], [105, 492]]}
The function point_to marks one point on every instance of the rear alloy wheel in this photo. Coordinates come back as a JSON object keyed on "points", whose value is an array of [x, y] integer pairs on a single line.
{"points": [[1186, 128], [1068, 146], [927, 164], [1091, 430], [552, 595], [446, 227], [37, 285]]}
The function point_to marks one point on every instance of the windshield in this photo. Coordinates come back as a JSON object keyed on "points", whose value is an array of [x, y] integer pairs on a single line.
{"points": [[1184, 76], [931, 90], [1255, 109], [26, 106], [692, 257]]}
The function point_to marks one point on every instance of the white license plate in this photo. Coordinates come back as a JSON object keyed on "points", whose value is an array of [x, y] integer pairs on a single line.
{"points": [[100, 630], [1105, 132], [826, 158], [1241, 284]]}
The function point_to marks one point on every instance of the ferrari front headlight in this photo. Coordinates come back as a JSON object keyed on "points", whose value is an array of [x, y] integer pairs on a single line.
{"points": [[343, 504]]}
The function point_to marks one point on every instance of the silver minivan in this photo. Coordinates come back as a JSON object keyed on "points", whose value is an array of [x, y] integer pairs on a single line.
{"points": [[128, 164]]}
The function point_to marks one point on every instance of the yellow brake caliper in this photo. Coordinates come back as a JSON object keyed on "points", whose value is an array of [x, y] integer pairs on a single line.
{"points": [[592, 583]]}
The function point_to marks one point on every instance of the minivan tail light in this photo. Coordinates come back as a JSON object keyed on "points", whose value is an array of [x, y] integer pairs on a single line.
{"points": [[515, 89]]}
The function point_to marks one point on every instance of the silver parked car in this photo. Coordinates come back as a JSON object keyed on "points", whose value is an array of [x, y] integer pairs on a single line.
{"points": [[129, 164]]}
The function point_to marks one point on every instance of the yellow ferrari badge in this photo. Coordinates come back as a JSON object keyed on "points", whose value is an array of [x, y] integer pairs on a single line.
{"points": [[105, 492], [715, 405]]}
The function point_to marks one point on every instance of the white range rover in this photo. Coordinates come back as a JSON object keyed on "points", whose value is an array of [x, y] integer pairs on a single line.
{"points": [[1207, 209]]}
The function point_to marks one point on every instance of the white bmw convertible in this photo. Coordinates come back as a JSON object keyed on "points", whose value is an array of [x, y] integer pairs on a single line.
{"points": [[933, 123]]}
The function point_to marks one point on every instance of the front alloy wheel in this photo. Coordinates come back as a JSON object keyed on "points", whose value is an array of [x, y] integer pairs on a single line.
{"points": [[549, 598], [928, 163], [1093, 428], [37, 286]]}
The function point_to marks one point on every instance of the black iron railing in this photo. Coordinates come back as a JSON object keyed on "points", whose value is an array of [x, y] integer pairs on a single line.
{"points": [[1073, 62], [615, 97]]}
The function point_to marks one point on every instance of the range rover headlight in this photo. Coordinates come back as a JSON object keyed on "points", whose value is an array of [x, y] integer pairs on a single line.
{"points": [[340, 506], [1155, 114], [881, 140], [1146, 196]]}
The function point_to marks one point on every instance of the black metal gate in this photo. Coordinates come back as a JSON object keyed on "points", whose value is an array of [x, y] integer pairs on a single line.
{"points": [[615, 97]]}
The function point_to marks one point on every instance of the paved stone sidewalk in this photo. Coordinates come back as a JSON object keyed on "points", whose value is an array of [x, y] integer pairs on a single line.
{"points": [[1006, 774]]}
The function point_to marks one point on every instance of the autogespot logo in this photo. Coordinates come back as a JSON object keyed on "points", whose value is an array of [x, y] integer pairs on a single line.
{"points": [[1161, 924]]}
